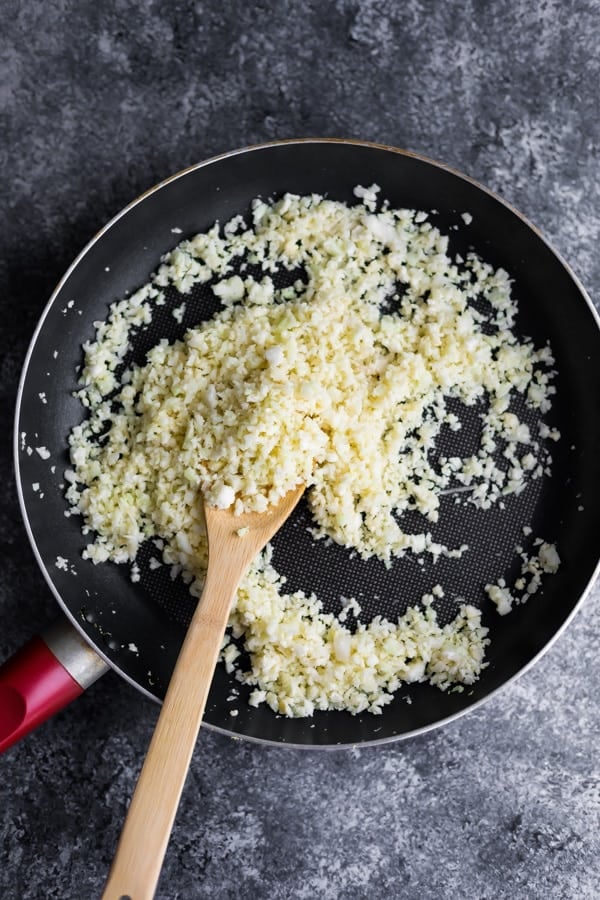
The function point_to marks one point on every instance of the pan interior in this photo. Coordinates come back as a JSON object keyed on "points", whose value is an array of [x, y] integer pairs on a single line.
{"points": [[139, 626]]}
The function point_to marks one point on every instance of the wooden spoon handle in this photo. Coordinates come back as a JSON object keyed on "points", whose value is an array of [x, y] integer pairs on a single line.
{"points": [[136, 867], [233, 543]]}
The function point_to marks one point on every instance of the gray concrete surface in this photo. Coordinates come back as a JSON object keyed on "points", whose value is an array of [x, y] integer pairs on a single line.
{"points": [[101, 100]]}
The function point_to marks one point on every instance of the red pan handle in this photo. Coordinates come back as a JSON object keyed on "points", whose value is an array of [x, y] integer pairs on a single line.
{"points": [[43, 677]]}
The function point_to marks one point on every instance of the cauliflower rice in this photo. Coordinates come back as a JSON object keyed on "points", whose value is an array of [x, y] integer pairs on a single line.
{"points": [[342, 381]]}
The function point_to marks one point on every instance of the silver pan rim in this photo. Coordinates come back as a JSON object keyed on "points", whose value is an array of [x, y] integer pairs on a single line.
{"points": [[238, 736]]}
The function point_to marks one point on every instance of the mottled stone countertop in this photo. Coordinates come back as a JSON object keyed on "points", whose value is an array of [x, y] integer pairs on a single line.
{"points": [[99, 101]]}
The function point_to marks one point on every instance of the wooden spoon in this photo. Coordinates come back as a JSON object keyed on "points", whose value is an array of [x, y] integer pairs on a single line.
{"points": [[138, 860]]}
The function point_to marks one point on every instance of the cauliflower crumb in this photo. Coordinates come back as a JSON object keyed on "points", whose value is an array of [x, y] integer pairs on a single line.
{"points": [[303, 659], [549, 558], [340, 381], [178, 313], [529, 582], [223, 496], [501, 596], [367, 195], [230, 289]]}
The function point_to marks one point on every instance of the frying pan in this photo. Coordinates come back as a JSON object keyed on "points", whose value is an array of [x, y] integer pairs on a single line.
{"points": [[137, 628]]}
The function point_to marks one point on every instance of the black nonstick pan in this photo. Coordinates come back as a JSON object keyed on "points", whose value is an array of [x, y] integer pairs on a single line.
{"points": [[137, 628]]}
